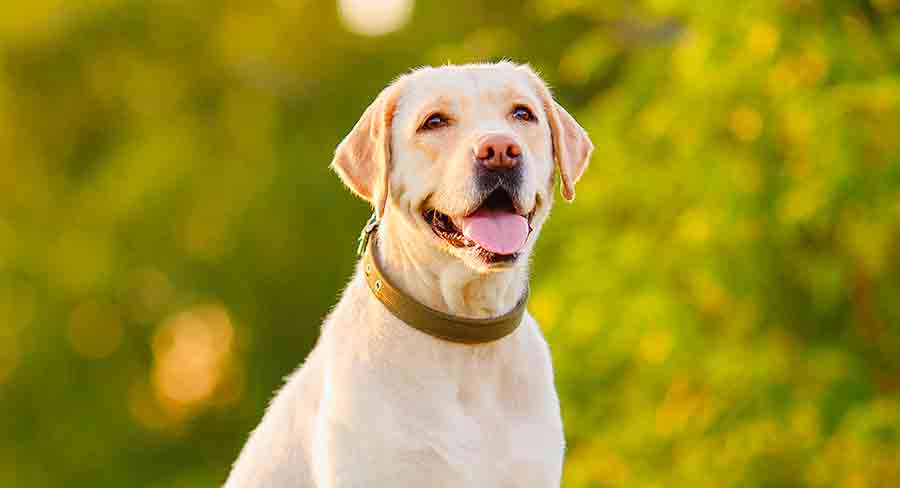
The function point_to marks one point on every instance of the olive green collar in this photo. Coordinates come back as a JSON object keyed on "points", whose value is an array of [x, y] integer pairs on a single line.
{"points": [[428, 320]]}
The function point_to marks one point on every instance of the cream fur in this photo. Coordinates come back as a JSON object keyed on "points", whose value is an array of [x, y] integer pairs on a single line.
{"points": [[380, 404]]}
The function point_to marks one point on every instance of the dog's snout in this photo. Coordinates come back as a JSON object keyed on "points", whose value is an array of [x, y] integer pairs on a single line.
{"points": [[497, 151]]}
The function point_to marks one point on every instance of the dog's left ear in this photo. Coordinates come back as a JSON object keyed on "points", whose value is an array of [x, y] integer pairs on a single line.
{"points": [[362, 159], [572, 146]]}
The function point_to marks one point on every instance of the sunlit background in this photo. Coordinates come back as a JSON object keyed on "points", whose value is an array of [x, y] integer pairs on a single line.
{"points": [[722, 300]]}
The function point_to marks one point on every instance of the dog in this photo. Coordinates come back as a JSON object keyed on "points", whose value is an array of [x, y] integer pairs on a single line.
{"points": [[429, 372]]}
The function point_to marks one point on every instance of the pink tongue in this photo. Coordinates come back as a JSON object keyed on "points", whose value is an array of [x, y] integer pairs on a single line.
{"points": [[498, 231]]}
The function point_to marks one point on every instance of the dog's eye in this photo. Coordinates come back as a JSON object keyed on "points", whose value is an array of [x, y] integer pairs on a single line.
{"points": [[522, 112], [435, 121]]}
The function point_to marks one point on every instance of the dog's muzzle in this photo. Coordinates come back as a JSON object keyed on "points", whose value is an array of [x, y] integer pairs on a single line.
{"points": [[508, 179]]}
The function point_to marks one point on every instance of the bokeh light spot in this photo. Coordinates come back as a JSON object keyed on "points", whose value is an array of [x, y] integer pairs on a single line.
{"points": [[191, 351], [762, 40], [375, 17], [655, 347], [746, 124]]}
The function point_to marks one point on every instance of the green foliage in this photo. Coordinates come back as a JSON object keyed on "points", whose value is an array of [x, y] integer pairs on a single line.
{"points": [[721, 300]]}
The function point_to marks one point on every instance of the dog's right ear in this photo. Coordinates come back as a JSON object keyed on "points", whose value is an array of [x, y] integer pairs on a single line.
{"points": [[362, 159]]}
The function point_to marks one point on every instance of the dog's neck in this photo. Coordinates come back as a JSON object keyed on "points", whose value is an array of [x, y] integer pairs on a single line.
{"points": [[443, 282]]}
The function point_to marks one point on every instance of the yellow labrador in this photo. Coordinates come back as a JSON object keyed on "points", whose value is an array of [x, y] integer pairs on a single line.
{"points": [[458, 163]]}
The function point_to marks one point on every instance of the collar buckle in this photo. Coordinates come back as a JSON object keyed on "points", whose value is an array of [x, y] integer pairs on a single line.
{"points": [[365, 235]]}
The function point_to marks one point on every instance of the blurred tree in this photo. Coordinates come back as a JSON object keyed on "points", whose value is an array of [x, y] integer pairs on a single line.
{"points": [[726, 313]]}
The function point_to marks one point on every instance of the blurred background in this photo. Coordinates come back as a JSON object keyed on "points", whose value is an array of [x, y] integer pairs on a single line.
{"points": [[722, 300]]}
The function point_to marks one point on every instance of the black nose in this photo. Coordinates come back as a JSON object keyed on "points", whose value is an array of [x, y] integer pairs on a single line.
{"points": [[497, 152]]}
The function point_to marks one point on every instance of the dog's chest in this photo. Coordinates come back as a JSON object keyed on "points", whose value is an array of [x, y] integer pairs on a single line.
{"points": [[490, 441], [500, 430]]}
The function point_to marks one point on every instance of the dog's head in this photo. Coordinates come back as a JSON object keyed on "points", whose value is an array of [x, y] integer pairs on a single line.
{"points": [[465, 155]]}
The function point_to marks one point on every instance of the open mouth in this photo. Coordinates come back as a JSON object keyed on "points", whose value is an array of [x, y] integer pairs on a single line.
{"points": [[496, 231]]}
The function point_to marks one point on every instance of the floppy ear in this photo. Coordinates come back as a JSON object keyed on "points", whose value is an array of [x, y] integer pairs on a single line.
{"points": [[571, 145], [362, 159]]}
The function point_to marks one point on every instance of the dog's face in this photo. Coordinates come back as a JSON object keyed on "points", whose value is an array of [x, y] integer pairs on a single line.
{"points": [[466, 155]]}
